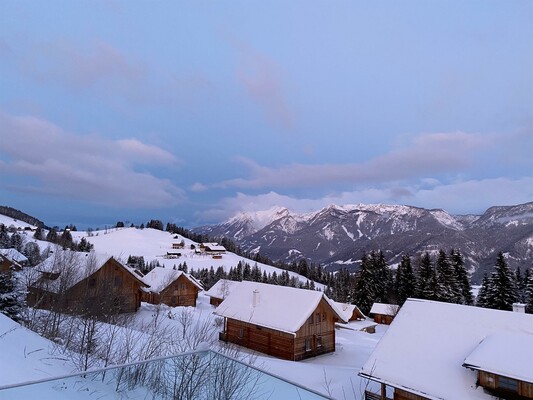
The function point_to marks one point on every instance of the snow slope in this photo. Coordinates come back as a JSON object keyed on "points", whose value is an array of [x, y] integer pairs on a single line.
{"points": [[26, 355], [153, 244]]}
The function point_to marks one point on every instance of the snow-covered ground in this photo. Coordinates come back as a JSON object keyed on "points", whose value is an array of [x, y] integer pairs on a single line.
{"points": [[8, 221], [27, 356], [153, 244]]}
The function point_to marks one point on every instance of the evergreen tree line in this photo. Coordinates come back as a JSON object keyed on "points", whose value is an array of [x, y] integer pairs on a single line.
{"points": [[64, 239], [21, 216], [501, 288], [243, 271]]}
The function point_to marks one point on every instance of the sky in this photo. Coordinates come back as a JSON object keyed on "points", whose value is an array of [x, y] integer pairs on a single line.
{"points": [[192, 111]]}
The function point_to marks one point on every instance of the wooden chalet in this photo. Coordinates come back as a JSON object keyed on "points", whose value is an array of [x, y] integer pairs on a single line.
{"points": [[220, 290], [85, 283], [11, 259], [384, 313], [212, 248], [440, 350], [171, 287], [354, 317], [280, 321], [178, 245]]}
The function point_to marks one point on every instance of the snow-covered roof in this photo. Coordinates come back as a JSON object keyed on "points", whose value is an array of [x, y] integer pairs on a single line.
{"points": [[222, 288], [14, 255], [214, 247], [505, 353], [346, 310], [278, 307], [423, 351], [384, 309], [159, 278], [77, 265]]}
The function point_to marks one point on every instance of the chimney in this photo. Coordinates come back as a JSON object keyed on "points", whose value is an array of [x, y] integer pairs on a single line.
{"points": [[255, 298], [519, 308]]}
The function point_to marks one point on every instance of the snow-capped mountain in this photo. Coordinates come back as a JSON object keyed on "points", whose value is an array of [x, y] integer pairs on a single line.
{"points": [[337, 236]]}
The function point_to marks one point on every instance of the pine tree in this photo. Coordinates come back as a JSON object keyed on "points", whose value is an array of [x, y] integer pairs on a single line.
{"points": [[51, 236], [382, 277], [447, 287], [465, 287], [529, 292], [38, 235], [16, 242], [520, 284], [482, 296], [502, 293], [405, 280], [11, 295], [426, 282], [32, 252], [4, 238], [364, 292]]}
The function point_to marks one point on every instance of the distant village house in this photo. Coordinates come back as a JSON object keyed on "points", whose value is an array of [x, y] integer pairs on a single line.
{"points": [[171, 287]]}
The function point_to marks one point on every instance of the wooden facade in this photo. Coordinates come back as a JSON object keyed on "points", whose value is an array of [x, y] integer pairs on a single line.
{"points": [[316, 336], [383, 319], [504, 387], [180, 292], [6, 264], [111, 289]]}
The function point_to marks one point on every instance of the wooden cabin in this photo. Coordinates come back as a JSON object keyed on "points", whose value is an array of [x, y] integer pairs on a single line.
{"points": [[384, 313], [171, 287], [178, 245], [436, 350], [85, 283], [284, 322], [354, 317], [7, 265], [511, 377], [220, 290], [11, 259], [212, 248]]}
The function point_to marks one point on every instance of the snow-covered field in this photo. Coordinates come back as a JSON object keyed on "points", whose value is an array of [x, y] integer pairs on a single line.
{"points": [[27, 356]]}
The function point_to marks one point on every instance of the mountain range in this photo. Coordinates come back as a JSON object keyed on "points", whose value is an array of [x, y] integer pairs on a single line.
{"points": [[337, 236]]}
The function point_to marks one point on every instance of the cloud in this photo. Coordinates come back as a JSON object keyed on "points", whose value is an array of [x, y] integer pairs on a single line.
{"points": [[102, 69], [427, 155], [262, 79], [83, 66], [55, 162], [461, 197], [198, 187]]}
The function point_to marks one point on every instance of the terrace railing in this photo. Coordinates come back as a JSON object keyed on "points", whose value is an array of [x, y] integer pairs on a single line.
{"points": [[203, 374]]}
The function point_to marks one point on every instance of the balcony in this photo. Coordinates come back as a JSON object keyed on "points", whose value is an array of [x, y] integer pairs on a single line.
{"points": [[203, 374]]}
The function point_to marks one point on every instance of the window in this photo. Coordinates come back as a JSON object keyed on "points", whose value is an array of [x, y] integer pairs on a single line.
{"points": [[118, 281], [310, 320], [319, 341], [507, 384], [317, 318], [182, 286], [92, 282], [241, 333], [308, 344]]}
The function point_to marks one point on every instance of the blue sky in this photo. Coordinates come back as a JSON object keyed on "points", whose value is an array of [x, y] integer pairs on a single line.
{"points": [[192, 111]]}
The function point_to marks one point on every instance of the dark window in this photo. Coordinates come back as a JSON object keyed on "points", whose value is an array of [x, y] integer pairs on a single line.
{"points": [[318, 341], [308, 344], [311, 320], [118, 281], [507, 384], [241, 333], [92, 282], [317, 319]]}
